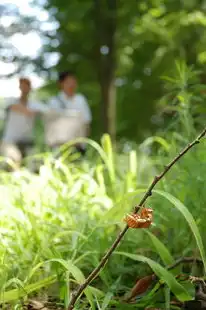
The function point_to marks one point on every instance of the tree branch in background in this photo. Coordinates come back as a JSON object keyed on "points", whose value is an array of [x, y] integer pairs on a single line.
{"points": [[148, 193]]}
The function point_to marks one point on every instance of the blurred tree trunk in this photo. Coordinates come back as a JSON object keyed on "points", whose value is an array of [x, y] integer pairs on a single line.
{"points": [[105, 12]]}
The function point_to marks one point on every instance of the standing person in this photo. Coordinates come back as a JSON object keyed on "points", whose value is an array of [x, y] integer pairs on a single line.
{"points": [[75, 113], [17, 139]]}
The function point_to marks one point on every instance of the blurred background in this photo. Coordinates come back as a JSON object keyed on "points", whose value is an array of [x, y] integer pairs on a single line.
{"points": [[120, 50]]}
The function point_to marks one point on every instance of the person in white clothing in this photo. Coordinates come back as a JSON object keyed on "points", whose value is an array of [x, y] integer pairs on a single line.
{"points": [[17, 139], [75, 118]]}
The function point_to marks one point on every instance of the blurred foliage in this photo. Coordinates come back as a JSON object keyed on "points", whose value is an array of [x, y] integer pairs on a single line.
{"points": [[150, 36], [13, 22]]}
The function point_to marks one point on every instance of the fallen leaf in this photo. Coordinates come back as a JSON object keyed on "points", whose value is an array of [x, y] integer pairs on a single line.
{"points": [[141, 286]]}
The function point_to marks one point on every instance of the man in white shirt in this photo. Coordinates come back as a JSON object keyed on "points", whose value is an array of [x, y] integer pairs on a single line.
{"points": [[17, 137], [76, 115]]}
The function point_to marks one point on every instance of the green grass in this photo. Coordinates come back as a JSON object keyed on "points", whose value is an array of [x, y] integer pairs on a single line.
{"points": [[55, 226]]}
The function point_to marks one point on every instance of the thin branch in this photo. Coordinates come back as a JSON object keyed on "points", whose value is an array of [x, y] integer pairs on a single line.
{"points": [[184, 260], [148, 193]]}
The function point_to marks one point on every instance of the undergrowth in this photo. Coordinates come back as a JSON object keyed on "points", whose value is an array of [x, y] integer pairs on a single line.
{"points": [[55, 226]]}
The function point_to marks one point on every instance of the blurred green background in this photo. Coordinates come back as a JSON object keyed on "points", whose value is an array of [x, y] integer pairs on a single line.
{"points": [[119, 49]]}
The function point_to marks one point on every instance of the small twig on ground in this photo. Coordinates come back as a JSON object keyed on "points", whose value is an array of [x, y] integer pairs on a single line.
{"points": [[148, 193]]}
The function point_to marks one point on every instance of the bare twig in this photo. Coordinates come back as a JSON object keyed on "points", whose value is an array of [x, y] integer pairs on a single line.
{"points": [[148, 193], [184, 260]]}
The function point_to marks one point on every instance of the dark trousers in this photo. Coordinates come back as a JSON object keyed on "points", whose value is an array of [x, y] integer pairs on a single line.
{"points": [[24, 147]]}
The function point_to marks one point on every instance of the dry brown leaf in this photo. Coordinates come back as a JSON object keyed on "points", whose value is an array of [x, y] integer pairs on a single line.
{"points": [[141, 286]]}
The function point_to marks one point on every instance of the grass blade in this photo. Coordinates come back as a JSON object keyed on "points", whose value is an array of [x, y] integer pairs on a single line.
{"points": [[161, 249], [78, 276], [190, 220], [16, 294]]}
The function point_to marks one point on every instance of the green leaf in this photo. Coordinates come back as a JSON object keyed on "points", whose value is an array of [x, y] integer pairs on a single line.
{"points": [[121, 207], [156, 139], [110, 294], [133, 163], [78, 276], [178, 290], [16, 294], [161, 249], [190, 220], [96, 292], [167, 298], [107, 147], [74, 270], [107, 300]]}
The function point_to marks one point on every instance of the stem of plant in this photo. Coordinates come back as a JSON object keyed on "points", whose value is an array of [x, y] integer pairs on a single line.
{"points": [[148, 193]]}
